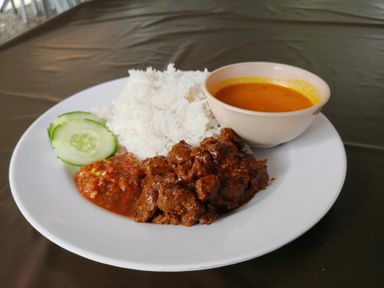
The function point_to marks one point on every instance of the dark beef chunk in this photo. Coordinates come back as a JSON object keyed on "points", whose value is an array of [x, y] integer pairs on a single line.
{"points": [[228, 135], [177, 200], [146, 205], [203, 163], [209, 215], [159, 170], [180, 153], [157, 165], [207, 187], [213, 146], [199, 165], [184, 172], [165, 218]]}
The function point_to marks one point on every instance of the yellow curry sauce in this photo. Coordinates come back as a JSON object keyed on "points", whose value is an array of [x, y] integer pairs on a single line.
{"points": [[263, 97]]}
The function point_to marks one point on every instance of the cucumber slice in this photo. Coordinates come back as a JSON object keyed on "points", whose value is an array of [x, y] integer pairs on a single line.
{"points": [[69, 116], [81, 141]]}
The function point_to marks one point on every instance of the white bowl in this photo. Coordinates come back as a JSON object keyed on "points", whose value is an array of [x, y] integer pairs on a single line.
{"points": [[266, 129]]}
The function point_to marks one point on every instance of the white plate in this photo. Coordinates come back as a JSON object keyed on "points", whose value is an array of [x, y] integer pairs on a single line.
{"points": [[309, 174]]}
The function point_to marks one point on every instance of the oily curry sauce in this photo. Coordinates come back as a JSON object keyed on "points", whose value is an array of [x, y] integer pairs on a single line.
{"points": [[263, 97]]}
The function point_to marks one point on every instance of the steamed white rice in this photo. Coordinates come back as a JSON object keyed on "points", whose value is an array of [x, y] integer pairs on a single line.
{"points": [[158, 109]]}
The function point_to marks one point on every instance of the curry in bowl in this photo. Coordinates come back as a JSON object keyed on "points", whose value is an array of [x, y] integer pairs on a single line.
{"points": [[266, 103], [266, 94]]}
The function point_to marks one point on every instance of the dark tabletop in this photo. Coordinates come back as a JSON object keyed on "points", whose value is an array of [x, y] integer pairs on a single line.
{"points": [[341, 41]]}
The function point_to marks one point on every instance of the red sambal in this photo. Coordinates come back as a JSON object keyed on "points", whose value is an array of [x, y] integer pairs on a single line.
{"points": [[113, 184]]}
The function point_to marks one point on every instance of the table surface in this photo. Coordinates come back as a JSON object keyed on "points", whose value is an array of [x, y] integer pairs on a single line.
{"points": [[341, 41]]}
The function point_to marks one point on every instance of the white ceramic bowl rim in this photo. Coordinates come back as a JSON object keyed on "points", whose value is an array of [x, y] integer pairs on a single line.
{"points": [[315, 108]]}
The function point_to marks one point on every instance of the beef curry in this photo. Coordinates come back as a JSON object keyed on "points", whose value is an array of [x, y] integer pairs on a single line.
{"points": [[190, 185]]}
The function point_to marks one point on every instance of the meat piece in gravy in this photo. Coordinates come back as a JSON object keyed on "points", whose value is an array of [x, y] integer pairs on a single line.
{"points": [[174, 199], [207, 187]]}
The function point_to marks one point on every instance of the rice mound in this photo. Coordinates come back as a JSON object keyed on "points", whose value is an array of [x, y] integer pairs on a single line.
{"points": [[158, 109]]}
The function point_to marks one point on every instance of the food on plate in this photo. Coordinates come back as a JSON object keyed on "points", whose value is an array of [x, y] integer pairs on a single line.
{"points": [[263, 97], [80, 138], [61, 119], [174, 164], [157, 109], [190, 185]]}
